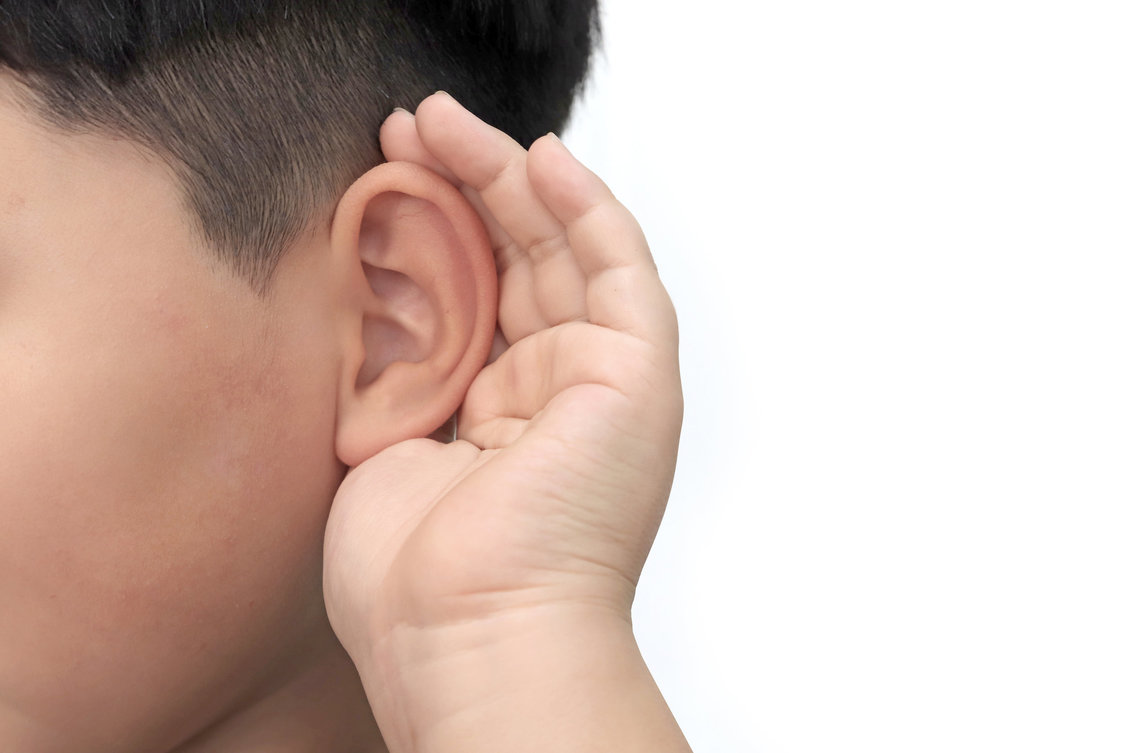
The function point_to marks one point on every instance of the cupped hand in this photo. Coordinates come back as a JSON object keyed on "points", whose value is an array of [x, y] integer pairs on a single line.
{"points": [[553, 491]]}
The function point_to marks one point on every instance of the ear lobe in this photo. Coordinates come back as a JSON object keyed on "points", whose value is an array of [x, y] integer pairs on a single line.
{"points": [[420, 314]]}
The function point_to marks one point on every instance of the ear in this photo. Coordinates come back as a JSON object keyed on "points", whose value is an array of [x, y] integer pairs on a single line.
{"points": [[419, 310]]}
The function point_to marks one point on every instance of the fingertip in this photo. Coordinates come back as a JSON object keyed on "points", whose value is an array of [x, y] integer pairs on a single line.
{"points": [[436, 114], [400, 142], [460, 138], [555, 140], [551, 150], [439, 99], [563, 181], [547, 155], [549, 141], [398, 125], [398, 113]]}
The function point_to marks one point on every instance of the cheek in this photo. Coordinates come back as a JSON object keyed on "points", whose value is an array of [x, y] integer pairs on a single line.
{"points": [[164, 485]]}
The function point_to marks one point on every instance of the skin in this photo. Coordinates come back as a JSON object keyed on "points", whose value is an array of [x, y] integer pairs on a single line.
{"points": [[483, 587], [186, 564], [168, 466]]}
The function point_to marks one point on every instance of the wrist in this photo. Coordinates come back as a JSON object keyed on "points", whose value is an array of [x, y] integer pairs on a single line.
{"points": [[541, 678]]}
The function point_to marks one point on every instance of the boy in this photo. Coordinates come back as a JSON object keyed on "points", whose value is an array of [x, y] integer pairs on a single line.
{"points": [[234, 332]]}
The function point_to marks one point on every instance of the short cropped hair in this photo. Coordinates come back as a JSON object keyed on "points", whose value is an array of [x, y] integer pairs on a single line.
{"points": [[267, 110]]}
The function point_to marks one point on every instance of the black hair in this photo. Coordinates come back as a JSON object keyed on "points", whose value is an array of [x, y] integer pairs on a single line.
{"points": [[267, 110]]}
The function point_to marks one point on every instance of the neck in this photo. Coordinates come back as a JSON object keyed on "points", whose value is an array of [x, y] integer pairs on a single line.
{"points": [[319, 707]]}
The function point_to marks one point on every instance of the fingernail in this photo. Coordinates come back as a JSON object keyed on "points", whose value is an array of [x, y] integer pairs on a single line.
{"points": [[401, 109], [560, 143]]}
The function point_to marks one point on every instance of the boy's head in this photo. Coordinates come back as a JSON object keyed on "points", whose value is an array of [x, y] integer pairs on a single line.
{"points": [[210, 305]]}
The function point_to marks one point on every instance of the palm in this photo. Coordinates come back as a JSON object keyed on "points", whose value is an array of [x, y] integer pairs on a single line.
{"points": [[555, 488]]}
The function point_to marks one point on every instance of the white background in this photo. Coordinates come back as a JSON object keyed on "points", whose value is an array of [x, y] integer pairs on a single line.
{"points": [[898, 235]]}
